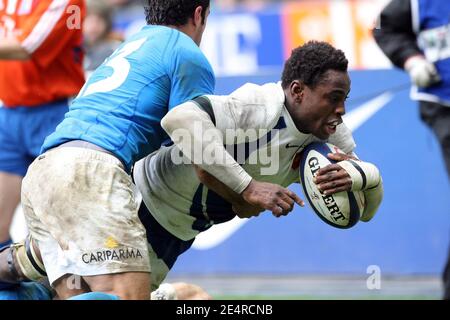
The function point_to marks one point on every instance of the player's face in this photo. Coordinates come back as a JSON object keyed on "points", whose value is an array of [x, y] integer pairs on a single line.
{"points": [[319, 110]]}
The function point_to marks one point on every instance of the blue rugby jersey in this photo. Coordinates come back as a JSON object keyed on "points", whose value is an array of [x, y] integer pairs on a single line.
{"points": [[123, 102]]}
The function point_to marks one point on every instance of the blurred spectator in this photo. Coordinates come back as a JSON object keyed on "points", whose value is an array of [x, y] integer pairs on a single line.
{"points": [[227, 5], [121, 3], [125, 14], [99, 40]]}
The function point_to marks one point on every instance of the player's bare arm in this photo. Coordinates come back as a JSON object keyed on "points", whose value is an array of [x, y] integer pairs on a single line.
{"points": [[11, 49]]}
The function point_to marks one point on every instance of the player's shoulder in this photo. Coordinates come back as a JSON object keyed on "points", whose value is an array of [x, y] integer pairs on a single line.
{"points": [[158, 37], [175, 46], [254, 94], [253, 105], [162, 33], [183, 46]]}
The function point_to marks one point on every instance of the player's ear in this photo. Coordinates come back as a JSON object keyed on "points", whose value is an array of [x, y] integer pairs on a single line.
{"points": [[198, 16], [297, 90]]}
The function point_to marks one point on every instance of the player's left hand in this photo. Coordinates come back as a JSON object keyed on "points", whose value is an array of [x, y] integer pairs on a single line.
{"points": [[333, 178]]}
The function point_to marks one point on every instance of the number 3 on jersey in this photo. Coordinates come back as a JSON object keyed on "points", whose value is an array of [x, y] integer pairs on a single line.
{"points": [[121, 68]]}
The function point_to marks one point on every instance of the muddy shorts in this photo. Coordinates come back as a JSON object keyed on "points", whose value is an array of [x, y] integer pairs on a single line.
{"points": [[82, 209]]}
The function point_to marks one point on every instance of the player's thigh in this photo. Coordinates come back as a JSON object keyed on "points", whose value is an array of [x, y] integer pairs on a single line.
{"points": [[81, 209], [69, 286]]}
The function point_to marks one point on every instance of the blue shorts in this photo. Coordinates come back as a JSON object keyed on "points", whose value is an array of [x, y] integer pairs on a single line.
{"points": [[165, 246], [23, 131]]}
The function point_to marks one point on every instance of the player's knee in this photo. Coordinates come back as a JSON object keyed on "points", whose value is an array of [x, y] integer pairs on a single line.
{"points": [[126, 286], [187, 291]]}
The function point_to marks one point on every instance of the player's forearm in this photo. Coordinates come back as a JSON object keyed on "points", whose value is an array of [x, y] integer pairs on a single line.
{"points": [[192, 130], [11, 49]]}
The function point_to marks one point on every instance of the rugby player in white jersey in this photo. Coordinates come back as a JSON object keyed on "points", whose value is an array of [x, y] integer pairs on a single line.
{"points": [[264, 128]]}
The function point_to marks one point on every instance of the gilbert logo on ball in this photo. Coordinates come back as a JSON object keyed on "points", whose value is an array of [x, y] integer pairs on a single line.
{"points": [[340, 210]]}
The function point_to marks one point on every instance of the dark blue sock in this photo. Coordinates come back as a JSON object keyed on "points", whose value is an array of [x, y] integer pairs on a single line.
{"points": [[26, 291], [5, 285]]}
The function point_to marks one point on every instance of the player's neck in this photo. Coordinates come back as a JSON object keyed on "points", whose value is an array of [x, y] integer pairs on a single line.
{"points": [[188, 30]]}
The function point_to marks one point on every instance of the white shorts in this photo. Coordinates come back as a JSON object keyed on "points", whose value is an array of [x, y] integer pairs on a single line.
{"points": [[82, 209]]}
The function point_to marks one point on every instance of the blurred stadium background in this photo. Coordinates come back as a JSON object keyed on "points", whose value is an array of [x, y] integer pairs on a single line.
{"points": [[404, 247]]}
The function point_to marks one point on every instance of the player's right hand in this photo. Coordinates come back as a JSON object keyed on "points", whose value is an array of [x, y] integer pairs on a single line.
{"points": [[422, 72], [271, 197]]}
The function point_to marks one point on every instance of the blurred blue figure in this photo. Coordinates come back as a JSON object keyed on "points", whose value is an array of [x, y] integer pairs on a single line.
{"points": [[414, 35], [26, 291]]}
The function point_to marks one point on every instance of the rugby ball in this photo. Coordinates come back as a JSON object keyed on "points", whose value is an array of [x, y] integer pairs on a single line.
{"points": [[341, 210]]}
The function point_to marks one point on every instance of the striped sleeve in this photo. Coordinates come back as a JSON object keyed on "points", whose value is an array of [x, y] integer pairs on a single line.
{"points": [[41, 23], [53, 29], [46, 16]]}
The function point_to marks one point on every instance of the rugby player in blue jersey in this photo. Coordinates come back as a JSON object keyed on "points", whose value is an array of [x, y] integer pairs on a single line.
{"points": [[78, 196]]}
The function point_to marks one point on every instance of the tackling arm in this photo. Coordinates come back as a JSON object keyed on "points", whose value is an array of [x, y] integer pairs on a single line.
{"points": [[11, 49]]}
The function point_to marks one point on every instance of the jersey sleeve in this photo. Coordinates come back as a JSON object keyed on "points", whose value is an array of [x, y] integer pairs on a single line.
{"points": [[192, 77], [51, 25]]}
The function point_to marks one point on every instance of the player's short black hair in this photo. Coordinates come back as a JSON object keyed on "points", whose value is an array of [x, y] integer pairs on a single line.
{"points": [[311, 61], [173, 12]]}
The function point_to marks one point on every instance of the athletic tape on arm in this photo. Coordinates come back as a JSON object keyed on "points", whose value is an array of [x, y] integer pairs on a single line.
{"points": [[365, 177]]}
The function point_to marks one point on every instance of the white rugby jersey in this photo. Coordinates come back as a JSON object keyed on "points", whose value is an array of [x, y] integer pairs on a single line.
{"points": [[261, 135]]}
